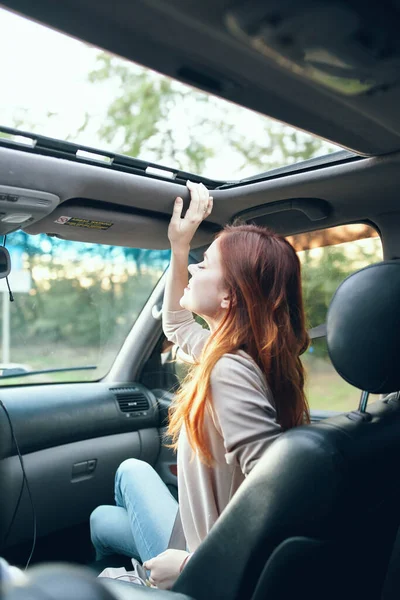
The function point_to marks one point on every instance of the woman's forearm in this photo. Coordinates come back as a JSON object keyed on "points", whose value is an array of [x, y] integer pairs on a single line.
{"points": [[177, 278], [180, 234]]}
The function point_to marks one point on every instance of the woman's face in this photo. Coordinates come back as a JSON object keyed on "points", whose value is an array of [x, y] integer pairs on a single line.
{"points": [[206, 294]]}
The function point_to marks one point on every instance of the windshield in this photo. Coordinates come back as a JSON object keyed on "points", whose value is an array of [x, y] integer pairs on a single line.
{"points": [[62, 88], [74, 306]]}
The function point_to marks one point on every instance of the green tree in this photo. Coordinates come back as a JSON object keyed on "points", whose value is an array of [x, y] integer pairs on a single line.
{"points": [[281, 146], [138, 119], [153, 117], [324, 272]]}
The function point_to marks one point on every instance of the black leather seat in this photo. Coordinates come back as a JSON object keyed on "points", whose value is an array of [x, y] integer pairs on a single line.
{"points": [[317, 517]]}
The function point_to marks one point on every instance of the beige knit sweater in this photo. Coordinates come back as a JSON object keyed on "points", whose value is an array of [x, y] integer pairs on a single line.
{"points": [[242, 426]]}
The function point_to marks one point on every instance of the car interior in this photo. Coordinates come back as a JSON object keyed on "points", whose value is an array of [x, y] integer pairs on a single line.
{"points": [[319, 515]]}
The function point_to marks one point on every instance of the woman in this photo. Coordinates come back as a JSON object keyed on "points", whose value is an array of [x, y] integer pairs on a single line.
{"points": [[246, 387]]}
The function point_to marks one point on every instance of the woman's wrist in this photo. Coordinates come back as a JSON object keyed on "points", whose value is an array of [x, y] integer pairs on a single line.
{"points": [[180, 250]]}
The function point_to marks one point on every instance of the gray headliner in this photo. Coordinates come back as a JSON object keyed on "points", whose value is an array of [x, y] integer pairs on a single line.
{"points": [[360, 190]]}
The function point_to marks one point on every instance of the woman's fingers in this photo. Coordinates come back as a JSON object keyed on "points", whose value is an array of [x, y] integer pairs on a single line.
{"points": [[204, 199], [194, 205], [200, 201], [209, 207], [177, 210], [181, 231]]}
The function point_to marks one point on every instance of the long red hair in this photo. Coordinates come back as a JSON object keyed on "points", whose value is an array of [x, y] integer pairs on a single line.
{"points": [[265, 319]]}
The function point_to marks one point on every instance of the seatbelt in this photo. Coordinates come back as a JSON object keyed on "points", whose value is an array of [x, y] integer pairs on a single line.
{"points": [[177, 540], [317, 332], [391, 586]]}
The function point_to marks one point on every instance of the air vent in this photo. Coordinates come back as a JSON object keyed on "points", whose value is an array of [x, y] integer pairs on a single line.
{"points": [[132, 403], [131, 400]]}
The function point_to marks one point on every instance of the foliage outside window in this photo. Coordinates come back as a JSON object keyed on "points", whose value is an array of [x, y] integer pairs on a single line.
{"points": [[328, 257], [81, 303]]}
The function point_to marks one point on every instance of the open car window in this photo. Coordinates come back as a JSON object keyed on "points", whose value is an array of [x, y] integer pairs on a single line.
{"points": [[74, 306], [327, 257]]}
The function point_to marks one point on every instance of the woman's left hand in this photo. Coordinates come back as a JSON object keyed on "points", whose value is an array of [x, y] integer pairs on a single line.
{"points": [[165, 568]]}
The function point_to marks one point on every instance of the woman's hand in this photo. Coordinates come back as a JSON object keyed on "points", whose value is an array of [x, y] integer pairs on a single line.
{"points": [[181, 231], [165, 568]]}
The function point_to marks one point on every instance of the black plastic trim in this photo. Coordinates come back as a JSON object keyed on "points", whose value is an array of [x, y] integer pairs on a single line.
{"points": [[118, 162], [127, 164], [327, 160]]}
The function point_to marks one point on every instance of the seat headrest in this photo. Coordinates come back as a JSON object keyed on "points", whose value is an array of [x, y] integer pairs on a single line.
{"points": [[363, 328]]}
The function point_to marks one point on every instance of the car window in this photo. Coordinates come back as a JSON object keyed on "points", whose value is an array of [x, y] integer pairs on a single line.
{"points": [[74, 306], [329, 256]]}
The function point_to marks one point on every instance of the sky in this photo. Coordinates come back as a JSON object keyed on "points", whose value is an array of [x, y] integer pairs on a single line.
{"points": [[43, 71], [46, 72]]}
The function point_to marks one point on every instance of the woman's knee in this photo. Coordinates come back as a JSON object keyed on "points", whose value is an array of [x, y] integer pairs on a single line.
{"points": [[110, 532], [98, 518], [133, 466], [132, 470], [98, 524]]}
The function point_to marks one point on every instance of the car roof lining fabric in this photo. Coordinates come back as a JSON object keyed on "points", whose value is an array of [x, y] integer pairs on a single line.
{"points": [[359, 190]]}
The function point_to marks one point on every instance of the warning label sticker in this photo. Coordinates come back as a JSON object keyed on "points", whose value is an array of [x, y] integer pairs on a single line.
{"points": [[85, 223], [62, 220]]}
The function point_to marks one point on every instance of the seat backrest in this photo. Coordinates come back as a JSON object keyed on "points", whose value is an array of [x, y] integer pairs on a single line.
{"points": [[318, 515]]}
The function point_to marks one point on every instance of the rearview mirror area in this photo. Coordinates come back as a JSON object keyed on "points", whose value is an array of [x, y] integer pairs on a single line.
{"points": [[5, 262]]}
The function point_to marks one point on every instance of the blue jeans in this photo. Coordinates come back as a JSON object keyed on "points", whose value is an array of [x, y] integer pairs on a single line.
{"points": [[140, 525]]}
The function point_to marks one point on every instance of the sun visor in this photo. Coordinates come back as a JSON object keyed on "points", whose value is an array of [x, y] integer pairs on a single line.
{"points": [[75, 221]]}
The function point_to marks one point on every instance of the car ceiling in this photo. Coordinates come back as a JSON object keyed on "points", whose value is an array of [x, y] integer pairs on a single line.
{"points": [[175, 36], [140, 207], [214, 44]]}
